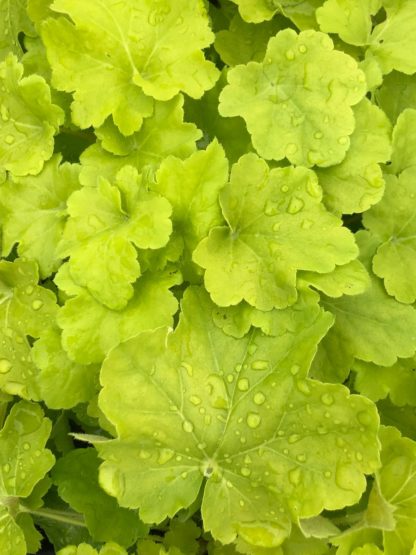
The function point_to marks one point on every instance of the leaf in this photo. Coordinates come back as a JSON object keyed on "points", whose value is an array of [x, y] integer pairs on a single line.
{"points": [[397, 381], [131, 52], [106, 223], [256, 11], [29, 120], [393, 222], [302, 12], [26, 309], [192, 187], [275, 222], [76, 476], [357, 182], [392, 41], [33, 211], [297, 102], [397, 92], [14, 21], [231, 410], [162, 134], [24, 461], [61, 383], [350, 19], [403, 418], [350, 279], [397, 485], [244, 42], [404, 133], [85, 549], [91, 330]]}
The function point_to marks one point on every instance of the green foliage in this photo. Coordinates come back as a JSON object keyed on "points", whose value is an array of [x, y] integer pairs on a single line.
{"points": [[207, 277]]}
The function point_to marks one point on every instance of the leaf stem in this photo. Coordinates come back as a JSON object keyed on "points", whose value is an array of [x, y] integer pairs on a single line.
{"points": [[74, 519]]}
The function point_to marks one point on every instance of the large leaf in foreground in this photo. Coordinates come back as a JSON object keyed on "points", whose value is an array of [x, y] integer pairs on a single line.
{"points": [[197, 404]]}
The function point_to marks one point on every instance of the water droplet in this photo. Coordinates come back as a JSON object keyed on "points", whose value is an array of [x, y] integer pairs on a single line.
{"points": [[303, 387], [26, 446], [271, 208], [245, 471], [295, 205], [9, 139], [358, 456], [260, 365], [230, 378], [285, 452], [252, 349], [242, 503], [302, 48], [259, 398], [195, 400], [5, 366], [364, 418], [290, 55], [165, 455], [321, 430], [6, 468], [143, 454], [295, 369], [293, 438], [36, 305], [184, 475], [343, 140], [243, 384], [327, 473], [307, 224], [318, 135], [291, 149], [301, 458], [295, 476], [346, 477], [23, 475], [188, 426], [29, 290], [217, 392], [327, 399], [253, 420], [188, 368]]}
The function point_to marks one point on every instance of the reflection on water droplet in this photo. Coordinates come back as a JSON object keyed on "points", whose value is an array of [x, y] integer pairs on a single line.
{"points": [[245, 471], [188, 368], [184, 475], [327, 473], [6, 468], [295, 205], [290, 55], [259, 398], [165, 455], [301, 458], [5, 366], [293, 438], [9, 139], [242, 503], [364, 418], [318, 135], [303, 387], [327, 399], [26, 446], [243, 384], [29, 290], [302, 48], [217, 392], [252, 349], [36, 305], [253, 420]]}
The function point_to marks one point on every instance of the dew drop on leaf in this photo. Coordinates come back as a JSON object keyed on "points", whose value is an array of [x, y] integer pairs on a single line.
{"points": [[245, 471], [188, 426], [259, 398], [9, 139], [295, 205], [5, 366], [195, 400], [253, 420], [327, 399], [295, 476], [260, 365], [36, 305]]}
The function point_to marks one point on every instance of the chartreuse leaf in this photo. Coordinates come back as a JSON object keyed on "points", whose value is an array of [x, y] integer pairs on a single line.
{"points": [[192, 187], [14, 21], [397, 93], [26, 309], [106, 223], [275, 223], [393, 41], [61, 383], [256, 11], [76, 477], [302, 12], [33, 212], [162, 134], [24, 461], [39, 10], [350, 19], [85, 549], [297, 102], [357, 183], [29, 120], [372, 326], [397, 381], [237, 418], [396, 483], [350, 279], [91, 330], [244, 42], [393, 222], [404, 135], [130, 52], [403, 418]]}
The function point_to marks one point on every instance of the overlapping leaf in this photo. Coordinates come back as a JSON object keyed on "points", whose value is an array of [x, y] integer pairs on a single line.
{"points": [[207, 412], [33, 212], [275, 222], [29, 120], [106, 223], [297, 102], [131, 52]]}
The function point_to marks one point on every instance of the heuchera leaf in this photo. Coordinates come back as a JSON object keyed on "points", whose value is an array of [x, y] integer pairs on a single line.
{"points": [[85, 549], [29, 120], [24, 461], [14, 20], [106, 223], [207, 414], [26, 309], [297, 102], [255, 258], [404, 134], [132, 52], [33, 212]]}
